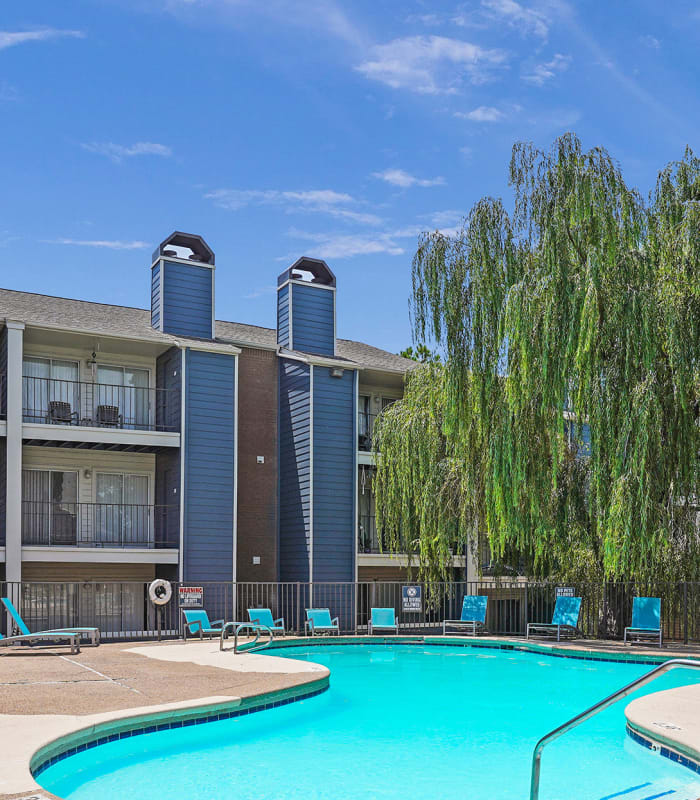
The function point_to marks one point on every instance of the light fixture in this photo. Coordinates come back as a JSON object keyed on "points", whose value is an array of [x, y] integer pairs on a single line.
{"points": [[337, 372]]}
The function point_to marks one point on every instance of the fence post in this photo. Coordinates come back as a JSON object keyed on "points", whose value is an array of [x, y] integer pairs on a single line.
{"points": [[298, 608], [685, 612]]}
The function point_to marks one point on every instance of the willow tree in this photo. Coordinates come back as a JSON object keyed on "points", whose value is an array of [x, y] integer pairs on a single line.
{"points": [[575, 315]]}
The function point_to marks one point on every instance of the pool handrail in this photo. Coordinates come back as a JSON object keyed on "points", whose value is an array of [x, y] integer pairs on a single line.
{"points": [[239, 626], [593, 710]]}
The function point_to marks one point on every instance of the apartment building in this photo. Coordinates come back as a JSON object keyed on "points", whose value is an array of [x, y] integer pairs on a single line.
{"points": [[140, 443]]}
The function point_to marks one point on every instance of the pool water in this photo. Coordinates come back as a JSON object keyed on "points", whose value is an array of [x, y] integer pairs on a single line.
{"points": [[400, 721]]}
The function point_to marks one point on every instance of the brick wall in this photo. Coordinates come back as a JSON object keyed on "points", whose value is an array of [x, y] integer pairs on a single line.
{"points": [[257, 483]]}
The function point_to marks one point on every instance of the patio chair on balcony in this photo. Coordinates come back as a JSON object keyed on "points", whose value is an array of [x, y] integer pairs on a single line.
{"points": [[318, 620], [108, 417], [646, 620], [564, 619], [92, 633], [73, 639], [263, 616], [60, 413], [197, 623], [473, 617], [383, 619]]}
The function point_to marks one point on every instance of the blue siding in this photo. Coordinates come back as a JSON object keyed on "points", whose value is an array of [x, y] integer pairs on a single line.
{"points": [[187, 299], [283, 316], [313, 319], [3, 372], [169, 378], [294, 470], [155, 296], [167, 491], [209, 466], [334, 476]]}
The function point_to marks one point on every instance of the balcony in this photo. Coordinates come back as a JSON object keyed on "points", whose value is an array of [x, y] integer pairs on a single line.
{"points": [[59, 524], [367, 539], [51, 401]]}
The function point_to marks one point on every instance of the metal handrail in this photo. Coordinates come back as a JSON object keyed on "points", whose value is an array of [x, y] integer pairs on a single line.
{"points": [[593, 710], [254, 626]]}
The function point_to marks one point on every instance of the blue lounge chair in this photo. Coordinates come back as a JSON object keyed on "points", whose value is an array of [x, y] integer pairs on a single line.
{"points": [[197, 623], [646, 619], [45, 638], [564, 619], [318, 620], [384, 619], [92, 633], [473, 617], [263, 616]]}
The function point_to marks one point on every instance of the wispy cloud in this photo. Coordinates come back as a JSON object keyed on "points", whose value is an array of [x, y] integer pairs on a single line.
{"points": [[541, 73], [650, 41], [403, 179], [323, 201], [526, 20], [13, 38], [259, 292], [431, 64], [482, 114], [106, 243], [118, 152]]}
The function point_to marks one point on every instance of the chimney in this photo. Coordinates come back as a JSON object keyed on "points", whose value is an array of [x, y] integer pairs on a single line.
{"points": [[182, 286]]}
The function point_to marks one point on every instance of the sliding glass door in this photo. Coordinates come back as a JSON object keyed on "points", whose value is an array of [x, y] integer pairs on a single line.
{"points": [[49, 507], [50, 390], [124, 393], [123, 516]]}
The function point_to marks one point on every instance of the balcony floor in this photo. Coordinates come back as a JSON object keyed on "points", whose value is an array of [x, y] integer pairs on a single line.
{"points": [[98, 438]]}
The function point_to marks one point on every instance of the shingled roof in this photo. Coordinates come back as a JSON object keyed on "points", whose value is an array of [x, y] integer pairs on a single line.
{"points": [[124, 321]]}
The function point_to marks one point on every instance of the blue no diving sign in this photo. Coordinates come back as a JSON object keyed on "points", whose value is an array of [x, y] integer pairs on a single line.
{"points": [[412, 599]]}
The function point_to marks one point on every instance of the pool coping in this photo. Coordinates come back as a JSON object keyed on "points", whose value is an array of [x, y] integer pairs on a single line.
{"points": [[109, 726]]}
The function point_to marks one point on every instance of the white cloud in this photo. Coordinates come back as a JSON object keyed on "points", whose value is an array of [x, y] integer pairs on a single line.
{"points": [[650, 41], [341, 245], [324, 201], [259, 292], [482, 114], [430, 64], [12, 38], [109, 244], [526, 20], [118, 152], [542, 73], [403, 179]]}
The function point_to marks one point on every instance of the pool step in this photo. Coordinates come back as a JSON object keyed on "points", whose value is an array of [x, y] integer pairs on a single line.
{"points": [[652, 790]]}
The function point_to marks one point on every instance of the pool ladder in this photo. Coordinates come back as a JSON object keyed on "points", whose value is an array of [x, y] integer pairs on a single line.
{"points": [[593, 710], [256, 627]]}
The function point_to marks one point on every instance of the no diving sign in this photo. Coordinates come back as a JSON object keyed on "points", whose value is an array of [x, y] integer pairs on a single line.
{"points": [[411, 599]]}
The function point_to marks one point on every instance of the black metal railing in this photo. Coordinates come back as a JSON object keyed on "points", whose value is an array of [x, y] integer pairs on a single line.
{"points": [[59, 524], [123, 609], [367, 538], [58, 402], [365, 427]]}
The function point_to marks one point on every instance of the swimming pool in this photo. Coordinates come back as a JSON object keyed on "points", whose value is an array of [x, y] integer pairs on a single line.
{"points": [[416, 722]]}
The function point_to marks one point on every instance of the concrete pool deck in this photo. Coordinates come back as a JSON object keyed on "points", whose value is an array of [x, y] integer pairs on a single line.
{"points": [[48, 693]]}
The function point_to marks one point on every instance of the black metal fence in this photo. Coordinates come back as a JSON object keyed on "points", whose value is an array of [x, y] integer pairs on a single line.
{"points": [[123, 609], [46, 524]]}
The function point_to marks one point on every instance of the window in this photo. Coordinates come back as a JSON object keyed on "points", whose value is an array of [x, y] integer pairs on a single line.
{"points": [[122, 512], [49, 507], [125, 392], [47, 382]]}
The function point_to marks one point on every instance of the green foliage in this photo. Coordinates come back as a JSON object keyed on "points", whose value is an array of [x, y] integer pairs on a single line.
{"points": [[421, 353], [582, 307]]}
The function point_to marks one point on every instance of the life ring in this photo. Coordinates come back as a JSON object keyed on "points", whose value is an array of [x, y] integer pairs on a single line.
{"points": [[160, 591]]}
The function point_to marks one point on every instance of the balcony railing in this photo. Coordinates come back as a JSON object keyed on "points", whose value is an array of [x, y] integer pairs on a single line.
{"points": [[367, 539], [365, 426], [58, 402], [58, 524]]}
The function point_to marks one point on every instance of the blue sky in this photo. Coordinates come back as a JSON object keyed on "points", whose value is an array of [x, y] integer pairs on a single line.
{"points": [[278, 128]]}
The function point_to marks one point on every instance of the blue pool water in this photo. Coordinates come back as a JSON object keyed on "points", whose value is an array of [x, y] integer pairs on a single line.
{"points": [[399, 721]]}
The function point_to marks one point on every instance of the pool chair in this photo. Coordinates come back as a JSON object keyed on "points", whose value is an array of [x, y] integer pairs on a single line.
{"points": [[473, 618], [383, 619], [197, 623], [318, 620], [564, 619], [646, 620], [263, 616], [73, 639], [92, 633]]}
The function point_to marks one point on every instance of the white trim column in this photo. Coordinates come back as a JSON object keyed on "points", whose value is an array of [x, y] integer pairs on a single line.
{"points": [[13, 500]]}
